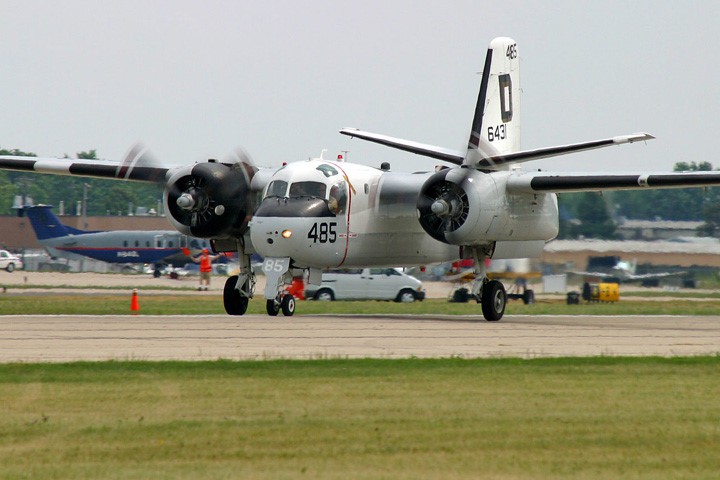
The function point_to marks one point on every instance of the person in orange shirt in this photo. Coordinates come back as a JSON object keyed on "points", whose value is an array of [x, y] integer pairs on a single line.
{"points": [[205, 260]]}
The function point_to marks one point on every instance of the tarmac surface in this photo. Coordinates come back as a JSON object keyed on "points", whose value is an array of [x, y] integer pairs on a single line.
{"points": [[61, 338]]}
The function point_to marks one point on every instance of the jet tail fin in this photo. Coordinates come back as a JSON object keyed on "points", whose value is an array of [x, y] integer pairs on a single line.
{"points": [[46, 224]]}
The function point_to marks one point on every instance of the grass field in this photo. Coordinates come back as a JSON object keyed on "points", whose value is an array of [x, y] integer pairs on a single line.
{"points": [[395, 419], [174, 304], [451, 418]]}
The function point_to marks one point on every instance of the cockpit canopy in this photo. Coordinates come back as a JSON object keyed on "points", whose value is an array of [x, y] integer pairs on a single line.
{"points": [[324, 182]]}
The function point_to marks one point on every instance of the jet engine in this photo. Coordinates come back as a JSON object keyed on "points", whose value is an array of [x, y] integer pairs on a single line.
{"points": [[211, 199], [457, 206]]}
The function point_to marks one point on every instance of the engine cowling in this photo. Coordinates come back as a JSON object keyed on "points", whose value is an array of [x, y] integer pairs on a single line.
{"points": [[211, 199], [457, 206]]}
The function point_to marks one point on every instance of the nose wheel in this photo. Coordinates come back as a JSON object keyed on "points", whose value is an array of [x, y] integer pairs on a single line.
{"points": [[286, 303]]}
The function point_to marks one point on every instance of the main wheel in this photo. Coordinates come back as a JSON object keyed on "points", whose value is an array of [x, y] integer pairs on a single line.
{"points": [[272, 307], [493, 300], [288, 305], [234, 302]]}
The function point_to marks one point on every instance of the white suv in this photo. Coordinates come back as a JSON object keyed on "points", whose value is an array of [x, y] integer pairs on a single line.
{"points": [[10, 262], [367, 284]]}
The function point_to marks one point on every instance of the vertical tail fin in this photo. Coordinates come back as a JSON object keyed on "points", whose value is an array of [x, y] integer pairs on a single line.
{"points": [[46, 224], [496, 125]]}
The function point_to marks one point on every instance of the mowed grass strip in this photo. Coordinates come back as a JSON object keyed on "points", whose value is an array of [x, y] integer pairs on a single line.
{"points": [[447, 418], [169, 304]]}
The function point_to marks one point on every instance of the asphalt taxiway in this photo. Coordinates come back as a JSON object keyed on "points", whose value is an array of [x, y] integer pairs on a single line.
{"points": [[60, 338]]}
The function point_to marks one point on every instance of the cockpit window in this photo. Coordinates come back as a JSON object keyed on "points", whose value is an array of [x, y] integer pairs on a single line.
{"points": [[307, 189], [327, 170], [277, 188], [337, 202]]}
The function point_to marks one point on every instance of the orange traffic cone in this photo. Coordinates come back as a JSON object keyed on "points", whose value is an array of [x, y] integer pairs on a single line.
{"points": [[134, 305]]}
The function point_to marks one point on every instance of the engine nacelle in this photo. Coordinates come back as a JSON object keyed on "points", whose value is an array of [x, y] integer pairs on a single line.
{"points": [[458, 205], [210, 199], [463, 206]]}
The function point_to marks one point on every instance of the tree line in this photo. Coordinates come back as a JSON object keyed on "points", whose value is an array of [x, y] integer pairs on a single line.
{"points": [[582, 215]]}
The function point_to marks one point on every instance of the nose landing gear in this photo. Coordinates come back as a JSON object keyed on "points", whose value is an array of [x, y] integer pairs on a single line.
{"points": [[286, 303], [276, 273]]}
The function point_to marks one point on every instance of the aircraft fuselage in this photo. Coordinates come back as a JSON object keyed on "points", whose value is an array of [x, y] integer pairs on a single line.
{"points": [[325, 214]]}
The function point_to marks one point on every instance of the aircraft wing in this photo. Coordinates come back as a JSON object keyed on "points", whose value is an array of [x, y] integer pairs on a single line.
{"points": [[533, 182], [485, 156], [628, 277], [84, 168], [647, 276]]}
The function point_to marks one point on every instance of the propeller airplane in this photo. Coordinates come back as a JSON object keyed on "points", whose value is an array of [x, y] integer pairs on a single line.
{"points": [[113, 246], [316, 214]]}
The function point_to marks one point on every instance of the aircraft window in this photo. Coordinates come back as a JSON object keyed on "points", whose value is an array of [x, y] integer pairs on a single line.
{"points": [[307, 189], [277, 188], [327, 170], [338, 198]]}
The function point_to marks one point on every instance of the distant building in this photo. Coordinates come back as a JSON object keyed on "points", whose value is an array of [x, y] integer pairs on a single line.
{"points": [[656, 229], [692, 252]]}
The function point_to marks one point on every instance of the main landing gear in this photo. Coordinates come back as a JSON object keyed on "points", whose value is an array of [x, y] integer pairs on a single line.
{"points": [[489, 293], [239, 288]]}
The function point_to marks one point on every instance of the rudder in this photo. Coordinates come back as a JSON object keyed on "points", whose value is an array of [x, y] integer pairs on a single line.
{"points": [[46, 224], [496, 124]]}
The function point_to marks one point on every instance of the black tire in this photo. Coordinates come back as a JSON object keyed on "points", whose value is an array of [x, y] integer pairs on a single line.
{"points": [[288, 305], [272, 308], [324, 295], [406, 296], [494, 300], [528, 297], [235, 304], [10, 267]]}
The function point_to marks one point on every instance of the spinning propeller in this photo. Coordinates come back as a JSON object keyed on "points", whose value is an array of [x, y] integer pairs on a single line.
{"points": [[208, 199]]}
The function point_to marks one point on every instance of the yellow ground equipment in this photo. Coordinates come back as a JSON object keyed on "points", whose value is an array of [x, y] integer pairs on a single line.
{"points": [[601, 292]]}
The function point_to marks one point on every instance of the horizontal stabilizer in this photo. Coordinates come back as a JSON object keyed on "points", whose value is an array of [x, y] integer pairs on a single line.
{"points": [[432, 151], [492, 162]]}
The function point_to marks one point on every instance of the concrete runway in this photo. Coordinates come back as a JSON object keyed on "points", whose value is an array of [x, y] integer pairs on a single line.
{"points": [[49, 338]]}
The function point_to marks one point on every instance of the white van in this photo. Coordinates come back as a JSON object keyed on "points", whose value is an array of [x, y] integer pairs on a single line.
{"points": [[366, 284]]}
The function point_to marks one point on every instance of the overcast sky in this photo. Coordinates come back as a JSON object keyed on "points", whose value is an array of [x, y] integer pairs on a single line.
{"points": [[195, 79]]}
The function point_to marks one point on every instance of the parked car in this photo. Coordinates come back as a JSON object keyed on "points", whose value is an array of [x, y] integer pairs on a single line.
{"points": [[367, 284], [10, 262]]}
